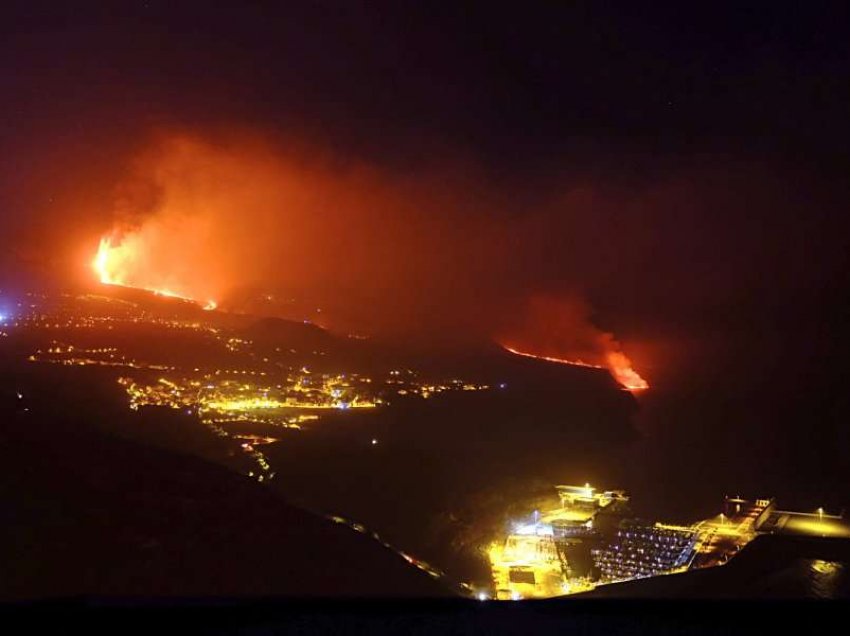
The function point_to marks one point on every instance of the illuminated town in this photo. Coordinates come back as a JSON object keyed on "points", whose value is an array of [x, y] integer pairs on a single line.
{"points": [[584, 539], [259, 386]]}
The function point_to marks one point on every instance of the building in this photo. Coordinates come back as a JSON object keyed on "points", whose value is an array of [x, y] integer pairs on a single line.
{"points": [[585, 498], [527, 566], [550, 554]]}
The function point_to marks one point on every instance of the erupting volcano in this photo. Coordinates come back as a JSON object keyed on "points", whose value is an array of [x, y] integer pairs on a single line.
{"points": [[210, 220], [116, 261]]}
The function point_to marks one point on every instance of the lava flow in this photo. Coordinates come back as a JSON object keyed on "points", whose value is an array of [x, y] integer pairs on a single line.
{"points": [[618, 365], [621, 368], [113, 261], [575, 363]]}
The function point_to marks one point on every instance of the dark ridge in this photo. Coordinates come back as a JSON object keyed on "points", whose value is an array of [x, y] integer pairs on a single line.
{"points": [[279, 331], [87, 514]]}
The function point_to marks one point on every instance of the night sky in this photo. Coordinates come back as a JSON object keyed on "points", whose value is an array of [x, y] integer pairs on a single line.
{"points": [[682, 169]]}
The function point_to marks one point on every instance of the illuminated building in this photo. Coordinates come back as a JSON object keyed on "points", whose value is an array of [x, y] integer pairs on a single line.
{"points": [[551, 553], [527, 566], [590, 538], [586, 499]]}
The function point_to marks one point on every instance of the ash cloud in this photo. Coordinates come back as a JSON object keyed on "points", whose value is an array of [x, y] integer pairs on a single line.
{"points": [[234, 216], [437, 252]]}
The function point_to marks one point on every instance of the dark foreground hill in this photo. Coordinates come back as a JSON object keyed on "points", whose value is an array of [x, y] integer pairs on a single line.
{"points": [[84, 513]]}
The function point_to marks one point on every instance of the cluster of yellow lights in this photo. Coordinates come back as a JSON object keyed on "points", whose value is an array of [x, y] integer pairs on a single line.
{"points": [[263, 403], [526, 563], [529, 567], [236, 344], [186, 395], [428, 390], [76, 356], [228, 397], [55, 321]]}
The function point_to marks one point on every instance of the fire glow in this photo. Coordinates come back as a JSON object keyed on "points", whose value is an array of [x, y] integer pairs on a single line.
{"points": [[574, 363], [114, 262], [618, 365]]}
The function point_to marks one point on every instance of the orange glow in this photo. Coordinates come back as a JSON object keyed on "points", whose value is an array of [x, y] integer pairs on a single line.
{"points": [[560, 329], [621, 368], [617, 364], [116, 262], [575, 363]]}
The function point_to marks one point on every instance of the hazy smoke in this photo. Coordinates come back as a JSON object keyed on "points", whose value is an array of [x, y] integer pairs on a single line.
{"points": [[348, 244], [562, 328]]}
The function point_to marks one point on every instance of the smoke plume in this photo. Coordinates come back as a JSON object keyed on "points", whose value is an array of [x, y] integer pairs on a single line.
{"points": [[240, 221]]}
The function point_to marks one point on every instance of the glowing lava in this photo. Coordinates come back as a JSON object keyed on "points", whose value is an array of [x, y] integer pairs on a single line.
{"points": [[621, 368], [114, 261], [575, 363], [618, 365]]}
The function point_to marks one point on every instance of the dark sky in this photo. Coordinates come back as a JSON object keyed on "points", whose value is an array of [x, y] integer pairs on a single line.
{"points": [[680, 165], [532, 81]]}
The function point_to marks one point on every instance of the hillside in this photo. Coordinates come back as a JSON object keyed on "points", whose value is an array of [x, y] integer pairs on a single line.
{"points": [[87, 514]]}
